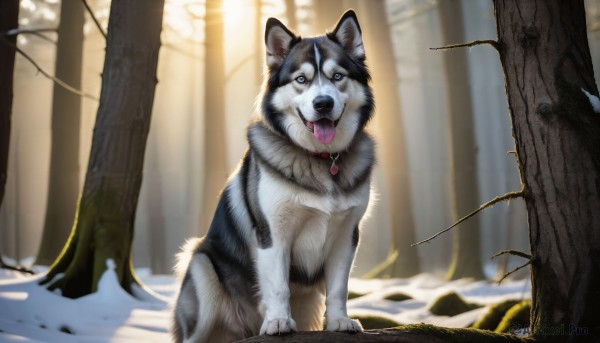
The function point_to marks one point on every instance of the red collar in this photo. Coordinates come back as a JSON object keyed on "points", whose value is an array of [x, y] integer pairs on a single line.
{"points": [[334, 156]]}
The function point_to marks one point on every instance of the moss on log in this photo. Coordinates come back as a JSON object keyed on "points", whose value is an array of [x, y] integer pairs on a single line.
{"points": [[451, 304], [417, 333], [494, 315]]}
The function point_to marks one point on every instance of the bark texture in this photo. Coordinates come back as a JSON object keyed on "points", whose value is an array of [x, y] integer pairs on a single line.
{"points": [[215, 159], [462, 149], [63, 187], [546, 60], [392, 149], [418, 333], [103, 228], [9, 19]]}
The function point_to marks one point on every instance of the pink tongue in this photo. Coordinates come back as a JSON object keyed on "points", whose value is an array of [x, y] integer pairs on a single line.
{"points": [[324, 131]]}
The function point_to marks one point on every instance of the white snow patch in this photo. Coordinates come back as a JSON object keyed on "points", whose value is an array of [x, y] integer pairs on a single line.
{"points": [[109, 315], [594, 100], [30, 313], [425, 289]]}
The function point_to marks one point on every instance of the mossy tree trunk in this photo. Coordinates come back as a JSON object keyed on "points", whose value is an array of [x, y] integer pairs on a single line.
{"points": [[462, 149], [392, 151], [9, 19], [63, 188], [103, 226], [546, 60], [215, 158]]}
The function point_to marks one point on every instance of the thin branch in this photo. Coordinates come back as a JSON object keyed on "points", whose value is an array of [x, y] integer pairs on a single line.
{"points": [[411, 14], [35, 32], [238, 66], [491, 42], [183, 52], [380, 269], [15, 32], [19, 269], [91, 13], [56, 80], [514, 271], [505, 197], [512, 252]]}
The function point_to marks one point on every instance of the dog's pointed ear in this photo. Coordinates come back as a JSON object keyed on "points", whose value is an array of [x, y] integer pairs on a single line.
{"points": [[348, 34], [278, 42]]}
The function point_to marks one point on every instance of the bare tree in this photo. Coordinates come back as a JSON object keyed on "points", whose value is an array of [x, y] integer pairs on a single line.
{"points": [[392, 148], [290, 14], [103, 227], [215, 159], [259, 35], [63, 187], [462, 149], [547, 65], [9, 19], [327, 12]]}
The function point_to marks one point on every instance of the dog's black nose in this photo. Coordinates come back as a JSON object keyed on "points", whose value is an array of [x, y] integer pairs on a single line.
{"points": [[323, 104]]}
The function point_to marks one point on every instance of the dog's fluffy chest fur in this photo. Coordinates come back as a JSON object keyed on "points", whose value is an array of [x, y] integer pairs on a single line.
{"points": [[311, 223], [304, 205]]}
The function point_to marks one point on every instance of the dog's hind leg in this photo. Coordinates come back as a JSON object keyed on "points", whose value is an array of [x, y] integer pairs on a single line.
{"points": [[199, 302], [186, 310], [308, 306]]}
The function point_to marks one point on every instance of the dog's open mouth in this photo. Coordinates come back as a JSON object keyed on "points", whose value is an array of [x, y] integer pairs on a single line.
{"points": [[323, 129]]}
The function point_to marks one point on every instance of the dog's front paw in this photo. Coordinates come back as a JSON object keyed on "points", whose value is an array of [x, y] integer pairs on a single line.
{"points": [[344, 324], [278, 326]]}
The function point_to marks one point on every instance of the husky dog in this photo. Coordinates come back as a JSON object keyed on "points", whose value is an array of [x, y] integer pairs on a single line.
{"points": [[284, 235]]}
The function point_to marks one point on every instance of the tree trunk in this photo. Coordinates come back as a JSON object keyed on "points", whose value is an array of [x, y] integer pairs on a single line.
{"points": [[290, 14], [327, 13], [103, 227], [215, 158], [462, 149], [546, 60], [259, 48], [63, 186], [9, 19], [392, 149]]}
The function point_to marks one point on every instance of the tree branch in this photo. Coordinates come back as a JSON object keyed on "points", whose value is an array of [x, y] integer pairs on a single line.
{"points": [[380, 269], [514, 271], [56, 80], [17, 268], [35, 32], [505, 197], [512, 252], [492, 43], [183, 52], [91, 13]]}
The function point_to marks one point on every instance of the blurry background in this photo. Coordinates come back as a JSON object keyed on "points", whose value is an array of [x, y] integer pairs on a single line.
{"points": [[413, 180]]}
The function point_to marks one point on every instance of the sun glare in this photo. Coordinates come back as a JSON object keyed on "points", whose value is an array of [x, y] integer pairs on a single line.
{"points": [[234, 11]]}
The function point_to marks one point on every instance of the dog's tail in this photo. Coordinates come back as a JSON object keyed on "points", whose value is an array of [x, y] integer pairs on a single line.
{"points": [[183, 258]]}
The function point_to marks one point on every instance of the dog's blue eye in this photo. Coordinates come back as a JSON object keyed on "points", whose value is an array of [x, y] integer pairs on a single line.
{"points": [[301, 79], [338, 76]]}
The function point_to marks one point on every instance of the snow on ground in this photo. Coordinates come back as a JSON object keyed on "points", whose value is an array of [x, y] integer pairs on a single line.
{"points": [[425, 289], [30, 313]]}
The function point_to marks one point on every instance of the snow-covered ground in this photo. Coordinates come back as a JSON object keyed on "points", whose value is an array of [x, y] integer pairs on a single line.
{"points": [[30, 313]]}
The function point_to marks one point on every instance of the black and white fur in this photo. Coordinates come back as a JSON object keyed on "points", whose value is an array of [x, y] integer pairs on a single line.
{"points": [[284, 235]]}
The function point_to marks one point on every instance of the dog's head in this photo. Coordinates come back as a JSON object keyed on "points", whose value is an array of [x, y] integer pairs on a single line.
{"points": [[317, 91]]}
